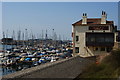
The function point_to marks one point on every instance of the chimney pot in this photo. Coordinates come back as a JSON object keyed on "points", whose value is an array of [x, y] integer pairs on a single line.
{"points": [[103, 18], [102, 12], [84, 20]]}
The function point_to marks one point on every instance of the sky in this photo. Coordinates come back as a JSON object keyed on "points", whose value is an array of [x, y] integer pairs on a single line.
{"points": [[0, 20], [60, 0], [39, 16]]}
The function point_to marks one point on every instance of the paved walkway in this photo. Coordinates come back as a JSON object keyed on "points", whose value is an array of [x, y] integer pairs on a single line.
{"points": [[68, 68]]}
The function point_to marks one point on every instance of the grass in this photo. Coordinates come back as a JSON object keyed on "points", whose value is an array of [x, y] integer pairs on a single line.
{"points": [[108, 68]]}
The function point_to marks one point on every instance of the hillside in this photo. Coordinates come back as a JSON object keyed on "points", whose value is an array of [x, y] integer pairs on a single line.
{"points": [[108, 68]]}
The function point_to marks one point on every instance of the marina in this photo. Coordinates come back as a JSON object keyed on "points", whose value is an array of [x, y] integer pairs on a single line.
{"points": [[16, 58], [21, 52], [57, 39]]}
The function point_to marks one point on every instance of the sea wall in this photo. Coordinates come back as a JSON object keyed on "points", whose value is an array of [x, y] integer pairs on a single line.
{"points": [[66, 68]]}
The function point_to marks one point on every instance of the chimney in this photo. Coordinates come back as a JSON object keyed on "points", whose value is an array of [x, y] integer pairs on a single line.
{"points": [[103, 18], [84, 20]]}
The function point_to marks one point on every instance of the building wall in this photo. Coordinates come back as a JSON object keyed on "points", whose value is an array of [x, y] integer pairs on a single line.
{"points": [[110, 30], [116, 42], [85, 51], [97, 52], [80, 31]]}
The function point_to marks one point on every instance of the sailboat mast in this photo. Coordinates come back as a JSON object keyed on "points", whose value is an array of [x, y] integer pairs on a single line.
{"points": [[53, 36], [3, 44], [42, 39], [26, 36], [46, 36], [13, 35], [23, 38]]}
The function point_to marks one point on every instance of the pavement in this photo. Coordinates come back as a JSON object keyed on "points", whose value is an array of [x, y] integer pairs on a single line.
{"points": [[67, 68]]}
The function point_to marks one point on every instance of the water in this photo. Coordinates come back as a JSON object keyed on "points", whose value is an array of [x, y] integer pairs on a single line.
{"points": [[1, 47], [17, 67], [5, 70], [8, 70], [6, 47], [0, 61], [12, 69]]}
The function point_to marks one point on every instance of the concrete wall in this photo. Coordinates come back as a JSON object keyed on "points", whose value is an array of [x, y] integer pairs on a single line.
{"points": [[67, 68]]}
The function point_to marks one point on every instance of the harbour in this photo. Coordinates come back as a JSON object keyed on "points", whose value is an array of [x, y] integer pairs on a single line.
{"points": [[58, 40], [15, 58]]}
